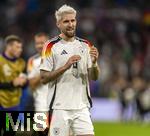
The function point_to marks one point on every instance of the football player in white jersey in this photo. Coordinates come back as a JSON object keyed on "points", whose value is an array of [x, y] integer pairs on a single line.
{"points": [[40, 91], [68, 63]]}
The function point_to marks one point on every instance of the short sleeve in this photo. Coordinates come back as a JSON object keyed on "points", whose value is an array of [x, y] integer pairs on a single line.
{"points": [[33, 73], [89, 60], [47, 61], [31, 70]]}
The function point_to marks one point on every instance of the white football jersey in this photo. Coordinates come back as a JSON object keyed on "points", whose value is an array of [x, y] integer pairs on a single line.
{"points": [[71, 89], [41, 93]]}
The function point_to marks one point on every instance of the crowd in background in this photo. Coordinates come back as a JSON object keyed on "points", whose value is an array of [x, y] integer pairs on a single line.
{"points": [[120, 29]]}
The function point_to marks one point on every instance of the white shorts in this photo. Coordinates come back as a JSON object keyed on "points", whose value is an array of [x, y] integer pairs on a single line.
{"points": [[78, 121]]}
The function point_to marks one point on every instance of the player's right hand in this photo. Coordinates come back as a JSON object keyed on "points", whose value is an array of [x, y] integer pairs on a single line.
{"points": [[19, 81], [72, 60]]}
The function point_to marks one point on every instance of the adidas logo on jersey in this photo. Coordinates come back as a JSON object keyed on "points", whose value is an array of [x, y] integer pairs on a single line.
{"points": [[63, 52]]}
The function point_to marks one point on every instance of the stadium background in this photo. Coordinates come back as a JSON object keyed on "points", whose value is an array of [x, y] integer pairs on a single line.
{"points": [[120, 29]]}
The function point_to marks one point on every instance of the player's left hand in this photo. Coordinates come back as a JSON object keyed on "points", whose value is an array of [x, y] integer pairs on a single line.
{"points": [[94, 54]]}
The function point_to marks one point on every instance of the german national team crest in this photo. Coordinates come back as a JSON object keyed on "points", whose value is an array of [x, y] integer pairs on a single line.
{"points": [[56, 131]]}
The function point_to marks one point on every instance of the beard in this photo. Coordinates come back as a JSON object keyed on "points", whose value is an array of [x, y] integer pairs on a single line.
{"points": [[69, 34]]}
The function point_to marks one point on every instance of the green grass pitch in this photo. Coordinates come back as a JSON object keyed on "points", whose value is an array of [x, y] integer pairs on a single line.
{"points": [[121, 129]]}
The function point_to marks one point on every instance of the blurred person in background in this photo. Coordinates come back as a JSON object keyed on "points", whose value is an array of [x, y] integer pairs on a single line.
{"points": [[12, 79], [127, 97], [11, 73], [68, 63], [40, 91], [142, 90]]}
